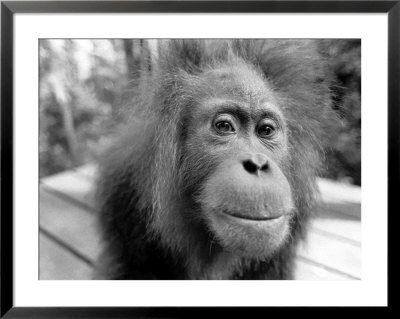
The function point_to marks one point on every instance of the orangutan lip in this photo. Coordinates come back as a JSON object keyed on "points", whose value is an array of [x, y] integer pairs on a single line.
{"points": [[256, 218]]}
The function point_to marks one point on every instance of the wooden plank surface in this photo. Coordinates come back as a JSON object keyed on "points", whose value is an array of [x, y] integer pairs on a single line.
{"points": [[69, 234], [56, 262], [72, 224]]}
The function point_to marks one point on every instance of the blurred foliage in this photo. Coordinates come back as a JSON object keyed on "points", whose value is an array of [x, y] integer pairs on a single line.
{"points": [[343, 158], [81, 86], [84, 83]]}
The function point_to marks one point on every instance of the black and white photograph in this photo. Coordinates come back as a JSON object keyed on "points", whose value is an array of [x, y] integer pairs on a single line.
{"points": [[179, 159], [200, 159]]}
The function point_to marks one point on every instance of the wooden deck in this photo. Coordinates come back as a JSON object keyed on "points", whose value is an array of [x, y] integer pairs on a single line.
{"points": [[69, 239]]}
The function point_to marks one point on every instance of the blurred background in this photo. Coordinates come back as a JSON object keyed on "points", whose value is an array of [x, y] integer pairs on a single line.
{"points": [[84, 84]]}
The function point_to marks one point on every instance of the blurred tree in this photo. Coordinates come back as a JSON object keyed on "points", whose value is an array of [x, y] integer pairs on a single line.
{"points": [[58, 142]]}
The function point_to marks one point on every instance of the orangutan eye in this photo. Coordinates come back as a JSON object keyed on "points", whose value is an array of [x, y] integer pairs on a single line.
{"points": [[224, 127], [266, 130]]}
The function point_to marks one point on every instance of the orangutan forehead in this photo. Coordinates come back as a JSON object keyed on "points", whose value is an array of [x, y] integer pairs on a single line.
{"points": [[239, 81]]}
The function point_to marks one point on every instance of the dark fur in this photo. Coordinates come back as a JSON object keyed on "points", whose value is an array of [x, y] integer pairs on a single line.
{"points": [[142, 188]]}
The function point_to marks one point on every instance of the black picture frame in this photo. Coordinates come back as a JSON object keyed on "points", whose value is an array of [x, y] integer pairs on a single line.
{"points": [[9, 8]]}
